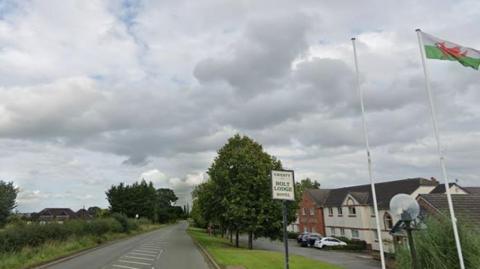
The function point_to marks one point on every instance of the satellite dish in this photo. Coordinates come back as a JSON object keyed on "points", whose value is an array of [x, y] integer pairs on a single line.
{"points": [[404, 206]]}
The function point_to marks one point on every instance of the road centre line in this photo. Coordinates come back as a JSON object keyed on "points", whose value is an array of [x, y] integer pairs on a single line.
{"points": [[140, 258], [123, 266], [142, 263], [142, 254]]}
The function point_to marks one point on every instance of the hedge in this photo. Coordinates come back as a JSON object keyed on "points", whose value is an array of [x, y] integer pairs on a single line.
{"points": [[17, 237]]}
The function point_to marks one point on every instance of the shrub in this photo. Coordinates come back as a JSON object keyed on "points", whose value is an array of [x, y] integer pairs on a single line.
{"points": [[14, 238], [436, 249], [123, 220], [352, 244], [293, 235]]}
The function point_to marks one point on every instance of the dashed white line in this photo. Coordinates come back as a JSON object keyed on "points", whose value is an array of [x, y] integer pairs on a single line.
{"points": [[123, 266], [142, 254], [145, 251], [140, 258], [134, 262], [158, 256]]}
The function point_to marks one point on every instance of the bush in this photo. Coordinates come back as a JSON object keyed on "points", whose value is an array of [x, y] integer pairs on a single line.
{"points": [[123, 220], [352, 244], [436, 249], [14, 238], [292, 235]]}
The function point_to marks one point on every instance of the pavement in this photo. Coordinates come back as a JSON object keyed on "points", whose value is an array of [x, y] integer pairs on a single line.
{"points": [[169, 247], [347, 260]]}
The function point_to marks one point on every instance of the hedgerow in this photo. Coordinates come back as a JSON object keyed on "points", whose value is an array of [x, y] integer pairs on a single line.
{"points": [[16, 237]]}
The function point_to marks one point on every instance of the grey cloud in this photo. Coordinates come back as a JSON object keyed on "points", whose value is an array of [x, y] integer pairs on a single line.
{"points": [[263, 55]]}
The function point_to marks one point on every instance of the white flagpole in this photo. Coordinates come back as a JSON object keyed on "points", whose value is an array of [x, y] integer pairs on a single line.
{"points": [[439, 150], [367, 145]]}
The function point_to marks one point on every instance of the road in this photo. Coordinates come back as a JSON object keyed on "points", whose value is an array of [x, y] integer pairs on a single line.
{"points": [[347, 260], [169, 247]]}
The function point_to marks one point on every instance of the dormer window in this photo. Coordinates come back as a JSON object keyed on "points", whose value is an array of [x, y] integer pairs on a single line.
{"points": [[352, 211], [387, 220]]}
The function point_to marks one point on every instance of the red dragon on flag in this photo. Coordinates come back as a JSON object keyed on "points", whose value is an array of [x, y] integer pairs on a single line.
{"points": [[454, 52]]}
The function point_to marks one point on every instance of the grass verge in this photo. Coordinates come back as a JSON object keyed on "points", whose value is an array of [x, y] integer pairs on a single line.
{"points": [[30, 257], [227, 255]]}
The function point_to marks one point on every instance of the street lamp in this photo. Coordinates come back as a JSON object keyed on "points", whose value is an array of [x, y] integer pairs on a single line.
{"points": [[407, 209]]}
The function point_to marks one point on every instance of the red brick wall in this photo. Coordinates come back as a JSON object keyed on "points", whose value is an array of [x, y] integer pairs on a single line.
{"points": [[307, 222]]}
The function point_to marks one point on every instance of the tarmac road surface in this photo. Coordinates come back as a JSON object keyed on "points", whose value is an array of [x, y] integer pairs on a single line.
{"points": [[170, 248]]}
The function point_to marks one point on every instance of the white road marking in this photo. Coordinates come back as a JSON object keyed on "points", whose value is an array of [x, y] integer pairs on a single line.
{"points": [[145, 251], [142, 263], [158, 256], [140, 258], [123, 266], [142, 254]]}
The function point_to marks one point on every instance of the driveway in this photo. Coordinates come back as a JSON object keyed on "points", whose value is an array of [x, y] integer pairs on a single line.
{"points": [[347, 260]]}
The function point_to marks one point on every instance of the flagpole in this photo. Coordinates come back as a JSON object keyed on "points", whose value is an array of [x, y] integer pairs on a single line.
{"points": [[439, 149], [367, 146]]}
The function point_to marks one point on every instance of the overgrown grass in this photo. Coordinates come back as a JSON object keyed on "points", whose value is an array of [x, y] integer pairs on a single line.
{"points": [[225, 254], [436, 249], [29, 257]]}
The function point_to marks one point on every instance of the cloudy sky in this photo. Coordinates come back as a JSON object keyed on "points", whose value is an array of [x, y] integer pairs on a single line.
{"points": [[93, 93]]}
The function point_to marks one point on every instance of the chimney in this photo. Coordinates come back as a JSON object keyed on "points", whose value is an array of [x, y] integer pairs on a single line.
{"points": [[434, 179]]}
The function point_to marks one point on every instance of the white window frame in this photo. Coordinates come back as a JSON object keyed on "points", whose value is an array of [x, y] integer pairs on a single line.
{"points": [[312, 211], [340, 211], [358, 234], [330, 211]]}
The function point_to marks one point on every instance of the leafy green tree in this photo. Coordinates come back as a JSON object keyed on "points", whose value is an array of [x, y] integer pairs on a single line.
{"points": [[8, 195], [304, 184], [240, 187], [130, 200]]}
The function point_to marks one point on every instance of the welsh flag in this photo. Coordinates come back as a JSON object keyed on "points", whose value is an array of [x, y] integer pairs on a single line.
{"points": [[436, 48]]}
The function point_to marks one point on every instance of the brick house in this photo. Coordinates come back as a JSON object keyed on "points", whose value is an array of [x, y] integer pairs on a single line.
{"points": [[348, 211], [310, 213]]}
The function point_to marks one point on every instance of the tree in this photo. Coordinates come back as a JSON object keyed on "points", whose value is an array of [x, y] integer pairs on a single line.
{"points": [[239, 189], [94, 211], [165, 200], [8, 195], [130, 200], [304, 184]]}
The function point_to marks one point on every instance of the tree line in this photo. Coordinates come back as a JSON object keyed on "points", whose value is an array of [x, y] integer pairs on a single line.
{"points": [[237, 197], [141, 199]]}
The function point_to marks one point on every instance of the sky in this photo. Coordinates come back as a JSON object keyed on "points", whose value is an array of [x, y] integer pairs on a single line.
{"points": [[94, 93]]}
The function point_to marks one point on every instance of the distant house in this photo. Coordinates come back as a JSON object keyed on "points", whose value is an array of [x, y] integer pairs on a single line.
{"points": [[83, 214], [349, 212], [56, 214]]}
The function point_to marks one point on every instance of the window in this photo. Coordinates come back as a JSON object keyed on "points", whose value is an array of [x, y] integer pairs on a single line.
{"points": [[312, 211], [375, 235], [351, 207], [332, 231], [352, 211], [342, 231], [330, 211], [340, 212], [387, 220], [372, 212], [304, 212], [355, 234]]}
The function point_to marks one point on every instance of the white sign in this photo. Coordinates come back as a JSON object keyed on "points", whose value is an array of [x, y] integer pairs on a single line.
{"points": [[283, 185]]}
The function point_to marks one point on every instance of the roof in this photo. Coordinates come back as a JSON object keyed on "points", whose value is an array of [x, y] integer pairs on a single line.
{"points": [[472, 190], [384, 190], [441, 188], [465, 205], [318, 195], [57, 212]]}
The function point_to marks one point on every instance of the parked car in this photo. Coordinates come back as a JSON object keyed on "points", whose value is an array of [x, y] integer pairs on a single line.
{"points": [[308, 240], [299, 237], [328, 242]]}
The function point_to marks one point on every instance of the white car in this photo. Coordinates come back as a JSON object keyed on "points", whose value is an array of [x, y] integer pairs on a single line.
{"points": [[328, 242]]}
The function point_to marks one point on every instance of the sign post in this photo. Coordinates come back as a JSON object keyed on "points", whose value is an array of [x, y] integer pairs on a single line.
{"points": [[283, 188]]}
